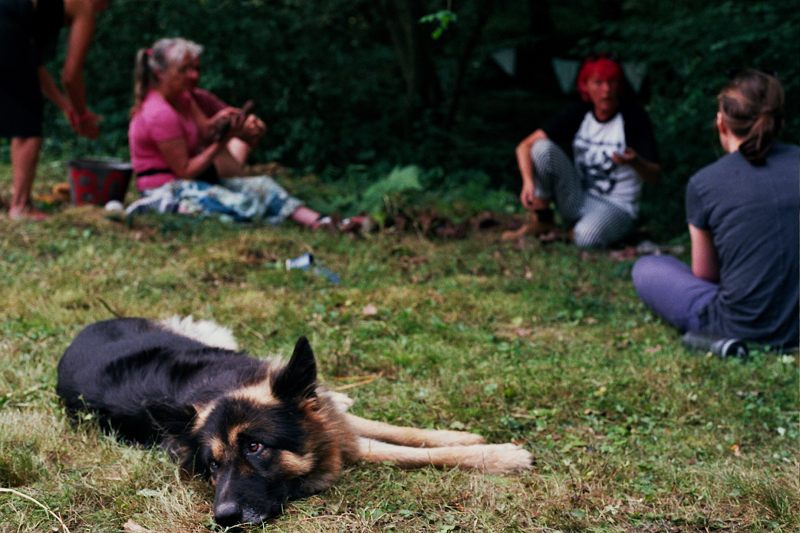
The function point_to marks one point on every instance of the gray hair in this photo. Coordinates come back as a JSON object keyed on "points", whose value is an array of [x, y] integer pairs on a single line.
{"points": [[168, 52], [163, 54]]}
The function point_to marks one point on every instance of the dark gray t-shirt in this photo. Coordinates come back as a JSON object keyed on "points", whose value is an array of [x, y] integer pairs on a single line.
{"points": [[753, 213]]}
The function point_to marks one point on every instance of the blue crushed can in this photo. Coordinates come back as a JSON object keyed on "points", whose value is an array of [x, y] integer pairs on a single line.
{"points": [[302, 263], [306, 262]]}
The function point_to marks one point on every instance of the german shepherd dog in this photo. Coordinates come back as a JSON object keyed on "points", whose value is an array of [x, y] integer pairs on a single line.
{"points": [[263, 432]]}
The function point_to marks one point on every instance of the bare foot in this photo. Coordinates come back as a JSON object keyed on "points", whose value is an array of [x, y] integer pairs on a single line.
{"points": [[28, 212], [532, 227]]}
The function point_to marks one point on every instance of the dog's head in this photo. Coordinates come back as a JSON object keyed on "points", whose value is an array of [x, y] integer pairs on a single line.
{"points": [[261, 445]]}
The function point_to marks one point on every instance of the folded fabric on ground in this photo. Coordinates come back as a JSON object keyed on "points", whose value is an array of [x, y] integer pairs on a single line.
{"points": [[242, 199]]}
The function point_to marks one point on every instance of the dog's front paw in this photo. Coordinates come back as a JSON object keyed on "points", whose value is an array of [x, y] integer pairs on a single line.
{"points": [[504, 459]]}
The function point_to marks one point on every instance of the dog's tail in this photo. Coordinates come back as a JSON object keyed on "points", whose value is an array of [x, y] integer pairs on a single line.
{"points": [[205, 331]]}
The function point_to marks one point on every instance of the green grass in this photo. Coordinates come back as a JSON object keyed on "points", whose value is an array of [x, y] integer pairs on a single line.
{"points": [[545, 346]]}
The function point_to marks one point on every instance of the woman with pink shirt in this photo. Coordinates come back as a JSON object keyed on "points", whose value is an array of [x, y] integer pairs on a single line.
{"points": [[176, 170]]}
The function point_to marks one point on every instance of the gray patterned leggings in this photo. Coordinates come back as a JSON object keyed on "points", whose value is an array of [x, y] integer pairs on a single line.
{"points": [[598, 222]]}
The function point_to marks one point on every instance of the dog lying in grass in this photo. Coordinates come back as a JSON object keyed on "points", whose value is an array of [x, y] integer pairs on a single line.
{"points": [[263, 432]]}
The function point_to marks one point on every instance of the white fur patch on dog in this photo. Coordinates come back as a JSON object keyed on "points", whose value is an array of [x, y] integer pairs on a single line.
{"points": [[205, 331]]}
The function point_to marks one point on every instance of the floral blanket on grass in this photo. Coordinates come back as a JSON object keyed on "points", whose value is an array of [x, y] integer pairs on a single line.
{"points": [[242, 199]]}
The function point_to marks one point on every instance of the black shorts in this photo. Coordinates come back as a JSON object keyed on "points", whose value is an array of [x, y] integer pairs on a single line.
{"points": [[21, 101]]}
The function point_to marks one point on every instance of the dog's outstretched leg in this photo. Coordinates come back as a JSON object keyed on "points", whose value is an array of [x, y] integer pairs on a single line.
{"points": [[485, 458], [405, 436]]}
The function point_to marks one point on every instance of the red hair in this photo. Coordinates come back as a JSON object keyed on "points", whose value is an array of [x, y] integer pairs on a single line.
{"points": [[605, 67]]}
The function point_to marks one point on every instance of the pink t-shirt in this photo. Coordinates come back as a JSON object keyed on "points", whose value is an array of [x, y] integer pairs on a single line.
{"points": [[155, 122]]}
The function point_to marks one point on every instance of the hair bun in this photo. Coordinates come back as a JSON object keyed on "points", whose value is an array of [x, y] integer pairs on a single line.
{"points": [[751, 105]]}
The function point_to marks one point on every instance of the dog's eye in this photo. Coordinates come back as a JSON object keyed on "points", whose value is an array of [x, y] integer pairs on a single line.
{"points": [[255, 447], [213, 466]]}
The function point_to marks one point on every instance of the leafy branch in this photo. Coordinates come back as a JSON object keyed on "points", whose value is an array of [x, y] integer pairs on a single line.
{"points": [[443, 19]]}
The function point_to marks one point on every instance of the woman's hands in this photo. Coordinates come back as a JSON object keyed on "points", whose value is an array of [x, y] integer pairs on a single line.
{"points": [[229, 123], [253, 129], [242, 125], [648, 171], [627, 157], [527, 197], [523, 152]]}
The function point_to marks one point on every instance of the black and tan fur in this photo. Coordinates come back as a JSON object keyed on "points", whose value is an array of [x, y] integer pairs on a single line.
{"points": [[263, 432]]}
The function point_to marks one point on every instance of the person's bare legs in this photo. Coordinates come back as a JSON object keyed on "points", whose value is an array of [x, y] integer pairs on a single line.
{"points": [[305, 216], [240, 150], [24, 158], [308, 217]]}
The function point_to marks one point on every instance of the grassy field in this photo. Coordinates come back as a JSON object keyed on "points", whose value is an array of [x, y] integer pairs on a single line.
{"points": [[544, 346]]}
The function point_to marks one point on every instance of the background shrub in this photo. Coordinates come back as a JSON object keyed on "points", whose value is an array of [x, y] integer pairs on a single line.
{"points": [[339, 88]]}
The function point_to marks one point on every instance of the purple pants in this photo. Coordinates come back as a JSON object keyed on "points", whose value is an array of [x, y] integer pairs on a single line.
{"points": [[667, 286]]}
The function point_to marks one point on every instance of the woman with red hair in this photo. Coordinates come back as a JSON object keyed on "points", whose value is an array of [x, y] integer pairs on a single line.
{"points": [[614, 150]]}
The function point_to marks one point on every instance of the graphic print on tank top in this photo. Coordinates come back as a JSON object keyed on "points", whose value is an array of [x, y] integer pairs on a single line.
{"points": [[592, 146]]}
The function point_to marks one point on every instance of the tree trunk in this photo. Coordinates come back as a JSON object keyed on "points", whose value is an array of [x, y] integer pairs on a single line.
{"points": [[540, 17], [479, 16], [411, 46]]}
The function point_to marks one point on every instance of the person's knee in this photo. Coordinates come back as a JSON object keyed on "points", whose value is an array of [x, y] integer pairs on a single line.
{"points": [[643, 270], [542, 150], [587, 237], [599, 229]]}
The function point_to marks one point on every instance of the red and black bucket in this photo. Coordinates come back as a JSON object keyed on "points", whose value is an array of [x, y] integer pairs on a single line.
{"points": [[97, 181]]}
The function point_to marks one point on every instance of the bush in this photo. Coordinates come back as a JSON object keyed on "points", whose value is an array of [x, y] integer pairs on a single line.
{"points": [[325, 78]]}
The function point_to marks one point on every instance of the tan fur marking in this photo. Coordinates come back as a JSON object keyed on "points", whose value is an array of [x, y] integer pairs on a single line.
{"points": [[309, 406], [486, 458], [405, 436], [260, 394], [233, 436], [298, 465], [203, 412], [217, 446]]}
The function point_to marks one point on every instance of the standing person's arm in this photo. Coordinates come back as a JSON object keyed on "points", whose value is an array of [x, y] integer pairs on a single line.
{"points": [[52, 92], [80, 15], [705, 260]]}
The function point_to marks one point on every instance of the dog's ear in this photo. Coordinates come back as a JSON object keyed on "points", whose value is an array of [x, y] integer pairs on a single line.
{"points": [[176, 425], [298, 379], [170, 420]]}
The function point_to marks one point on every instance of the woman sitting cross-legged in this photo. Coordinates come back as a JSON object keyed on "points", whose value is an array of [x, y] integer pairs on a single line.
{"points": [[744, 218], [175, 171]]}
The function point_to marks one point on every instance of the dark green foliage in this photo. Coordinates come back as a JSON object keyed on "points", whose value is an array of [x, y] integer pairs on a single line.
{"points": [[384, 192], [326, 78], [295, 59]]}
